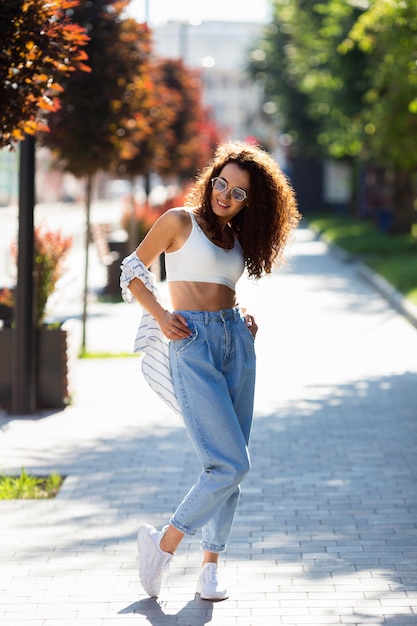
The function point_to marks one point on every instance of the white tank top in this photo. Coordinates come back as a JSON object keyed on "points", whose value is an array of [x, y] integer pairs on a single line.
{"points": [[200, 260]]}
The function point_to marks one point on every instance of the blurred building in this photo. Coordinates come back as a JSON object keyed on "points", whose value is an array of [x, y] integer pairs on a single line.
{"points": [[220, 51]]}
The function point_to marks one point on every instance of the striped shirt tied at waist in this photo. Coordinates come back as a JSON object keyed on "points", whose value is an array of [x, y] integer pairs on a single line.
{"points": [[149, 340]]}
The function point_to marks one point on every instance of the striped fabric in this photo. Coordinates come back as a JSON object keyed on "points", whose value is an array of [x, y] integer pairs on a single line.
{"points": [[149, 339]]}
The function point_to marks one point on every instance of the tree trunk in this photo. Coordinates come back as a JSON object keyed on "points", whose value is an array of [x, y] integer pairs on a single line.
{"points": [[133, 228], [89, 187], [403, 199]]}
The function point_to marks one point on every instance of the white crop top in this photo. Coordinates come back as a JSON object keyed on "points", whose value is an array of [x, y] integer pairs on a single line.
{"points": [[200, 260]]}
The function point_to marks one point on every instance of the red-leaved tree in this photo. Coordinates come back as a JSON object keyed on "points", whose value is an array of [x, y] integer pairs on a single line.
{"points": [[40, 45]]}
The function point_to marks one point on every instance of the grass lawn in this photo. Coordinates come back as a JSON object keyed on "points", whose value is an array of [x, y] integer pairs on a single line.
{"points": [[392, 256], [106, 355]]}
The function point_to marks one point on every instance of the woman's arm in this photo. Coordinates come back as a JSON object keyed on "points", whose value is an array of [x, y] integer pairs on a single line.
{"points": [[173, 326], [166, 231], [167, 234]]}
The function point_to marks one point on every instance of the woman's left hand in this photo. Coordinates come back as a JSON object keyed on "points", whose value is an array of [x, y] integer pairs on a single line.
{"points": [[251, 324]]}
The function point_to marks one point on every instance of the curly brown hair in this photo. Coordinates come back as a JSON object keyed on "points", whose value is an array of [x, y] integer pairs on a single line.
{"points": [[264, 225]]}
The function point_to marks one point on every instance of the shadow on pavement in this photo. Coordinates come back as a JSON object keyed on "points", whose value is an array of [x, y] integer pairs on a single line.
{"points": [[332, 495], [196, 612]]}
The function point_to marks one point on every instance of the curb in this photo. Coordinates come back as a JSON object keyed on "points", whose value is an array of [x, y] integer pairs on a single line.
{"points": [[399, 302], [394, 297]]}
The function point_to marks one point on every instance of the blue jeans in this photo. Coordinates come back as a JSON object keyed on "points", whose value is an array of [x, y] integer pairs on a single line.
{"points": [[214, 378]]}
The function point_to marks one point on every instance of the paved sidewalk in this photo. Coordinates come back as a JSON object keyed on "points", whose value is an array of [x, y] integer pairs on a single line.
{"points": [[326, 531]]}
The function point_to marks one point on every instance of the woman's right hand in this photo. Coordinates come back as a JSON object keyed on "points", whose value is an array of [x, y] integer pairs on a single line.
{"points": [[173, 326]]}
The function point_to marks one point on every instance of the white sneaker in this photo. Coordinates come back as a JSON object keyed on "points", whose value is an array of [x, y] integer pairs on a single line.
{"points": [[208, 584], [153, 562]]}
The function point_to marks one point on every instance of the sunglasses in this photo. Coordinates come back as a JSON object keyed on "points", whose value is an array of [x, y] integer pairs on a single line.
{"points": [[237, 193]]}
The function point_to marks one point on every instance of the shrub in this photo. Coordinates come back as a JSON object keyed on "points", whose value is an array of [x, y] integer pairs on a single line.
{"points": [[25, 486], [50, 251]]}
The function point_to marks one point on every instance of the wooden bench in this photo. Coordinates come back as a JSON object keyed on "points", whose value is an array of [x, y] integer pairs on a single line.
{"points": [[100, 234]]}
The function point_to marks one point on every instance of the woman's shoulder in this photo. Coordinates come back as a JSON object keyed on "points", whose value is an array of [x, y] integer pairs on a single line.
{"points": [[174, 227], [177, 216], [178, 212]]}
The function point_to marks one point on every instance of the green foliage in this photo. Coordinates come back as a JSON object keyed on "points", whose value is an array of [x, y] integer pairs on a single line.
{"points": [[274, 64], [318, 91], [392, 256], [400, 270], [84, 354], [344, 78], [387, 33], [353, 68], [361, 236], [29, 487]]}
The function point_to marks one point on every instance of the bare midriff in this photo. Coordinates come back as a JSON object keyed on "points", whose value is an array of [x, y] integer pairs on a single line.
{"points": [[194, 296]]}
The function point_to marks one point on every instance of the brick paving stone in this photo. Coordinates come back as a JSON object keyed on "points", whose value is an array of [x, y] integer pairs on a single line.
{"points": [[326, 531]]}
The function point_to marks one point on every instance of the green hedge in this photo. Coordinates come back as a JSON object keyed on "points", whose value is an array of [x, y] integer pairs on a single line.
{"points": [[392, 256]]}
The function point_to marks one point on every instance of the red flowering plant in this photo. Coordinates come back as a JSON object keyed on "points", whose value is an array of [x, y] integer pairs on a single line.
{"points": [[50, 250]]}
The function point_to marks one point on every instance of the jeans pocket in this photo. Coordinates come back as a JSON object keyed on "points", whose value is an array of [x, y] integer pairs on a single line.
{"points": [[247, 331], [180, 345]]}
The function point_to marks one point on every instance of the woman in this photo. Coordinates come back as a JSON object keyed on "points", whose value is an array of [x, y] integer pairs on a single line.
{"points": [[239, 214]]}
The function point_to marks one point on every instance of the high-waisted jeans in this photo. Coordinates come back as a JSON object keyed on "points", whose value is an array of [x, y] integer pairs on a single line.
{"points": [[214, 377]]}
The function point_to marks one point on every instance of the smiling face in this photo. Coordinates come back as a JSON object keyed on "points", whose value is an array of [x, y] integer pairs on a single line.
{"points": [[223, 205]]}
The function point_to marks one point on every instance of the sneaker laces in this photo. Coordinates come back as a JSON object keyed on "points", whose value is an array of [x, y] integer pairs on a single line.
{"points": [[162, 570], [210, 575], [167, 556]]}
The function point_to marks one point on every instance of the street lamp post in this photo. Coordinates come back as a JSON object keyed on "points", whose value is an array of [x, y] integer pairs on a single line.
{"points": [[184, 37]]}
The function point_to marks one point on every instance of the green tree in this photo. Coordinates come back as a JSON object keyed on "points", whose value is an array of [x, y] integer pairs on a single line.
{"points": [[318, 92], [387, 34], [277, 65], [343, 76]]}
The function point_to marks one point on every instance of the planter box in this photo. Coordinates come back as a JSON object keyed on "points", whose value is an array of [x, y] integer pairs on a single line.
{"points": [[52, 384], [6, 315]]}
